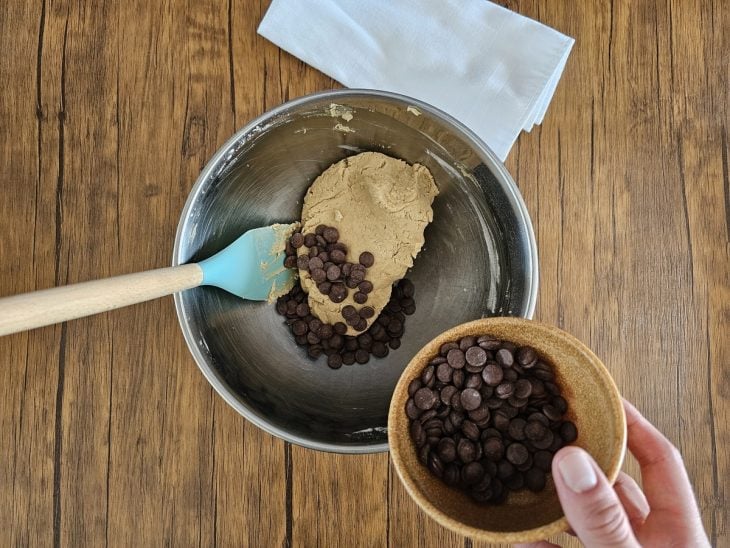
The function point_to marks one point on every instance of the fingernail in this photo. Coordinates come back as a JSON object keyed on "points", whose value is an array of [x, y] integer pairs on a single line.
{"points": [[577, 471]]}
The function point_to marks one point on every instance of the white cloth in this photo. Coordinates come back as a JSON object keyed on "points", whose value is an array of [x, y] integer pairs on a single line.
{"points": [[492, 69]]}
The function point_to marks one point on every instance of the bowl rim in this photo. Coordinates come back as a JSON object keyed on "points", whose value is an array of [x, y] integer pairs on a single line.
{"points": [[480, 147], [511, 537]]}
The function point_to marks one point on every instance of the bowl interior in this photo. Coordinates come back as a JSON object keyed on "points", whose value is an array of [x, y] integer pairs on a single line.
{"points": [[594, 406], [478, 260]]}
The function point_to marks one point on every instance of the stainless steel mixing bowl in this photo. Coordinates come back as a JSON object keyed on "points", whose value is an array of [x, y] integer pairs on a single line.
{"points": [[479, 260]]}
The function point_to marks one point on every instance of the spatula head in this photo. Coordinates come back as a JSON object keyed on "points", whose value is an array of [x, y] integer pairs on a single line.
{"points": [[252, 267]]}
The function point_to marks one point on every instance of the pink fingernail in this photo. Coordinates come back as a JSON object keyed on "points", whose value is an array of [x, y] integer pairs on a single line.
{"points": [[577, 471]]}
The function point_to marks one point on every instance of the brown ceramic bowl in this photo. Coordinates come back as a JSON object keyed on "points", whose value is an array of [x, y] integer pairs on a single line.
{"points": [[594, 406]]}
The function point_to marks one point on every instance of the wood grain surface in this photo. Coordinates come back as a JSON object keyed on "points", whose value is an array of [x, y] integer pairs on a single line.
{"points": [[109, 435]]}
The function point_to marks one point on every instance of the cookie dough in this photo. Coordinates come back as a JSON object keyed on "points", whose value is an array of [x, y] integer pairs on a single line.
{"points": [[282, 233], [378, 204]]}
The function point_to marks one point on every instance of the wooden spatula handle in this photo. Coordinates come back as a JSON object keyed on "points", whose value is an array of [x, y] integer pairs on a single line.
{"points": [[48, 306]]}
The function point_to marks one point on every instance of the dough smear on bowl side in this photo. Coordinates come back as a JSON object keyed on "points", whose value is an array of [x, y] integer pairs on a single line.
{"points": [[379, 204]]}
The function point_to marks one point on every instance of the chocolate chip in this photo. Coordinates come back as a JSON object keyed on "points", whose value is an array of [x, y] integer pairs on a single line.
{"points": [[492, 374], [543, 460], [488, 343], [505, 469], [427, 375], [504, 357], [446, 347], [331, 234], [472, 473], [517, 453], [504, 390], [334, 361], [446, 450], [367, 312], [310, 240], [359, 298], [493, 448], [408, 288], [517, 429], [379, 350], [337, 256], [333, 273], [466, 450], [366, 259], [476, 356], [479, 414], [365, 341], [412, 411], [568, 432], [365, 286], [325, 288], [451, 475], [297, 240], [395, 327], [458, 378], [300, 327], [447, 392], [336, 341], [303, 262], [337, 293], [435, 465], [444, 372], [523, 389], [526, 355], [535, 430], [470, 399], [318, 274], [545, 442], [560, 404], [551, 412], [456, 358], [470, 430]]}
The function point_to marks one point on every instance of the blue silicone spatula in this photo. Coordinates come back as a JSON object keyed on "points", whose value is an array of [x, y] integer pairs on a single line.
{"points": [[252, 267]]}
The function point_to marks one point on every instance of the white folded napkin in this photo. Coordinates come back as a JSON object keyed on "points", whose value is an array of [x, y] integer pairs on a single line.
{"points": [[490, 68]]}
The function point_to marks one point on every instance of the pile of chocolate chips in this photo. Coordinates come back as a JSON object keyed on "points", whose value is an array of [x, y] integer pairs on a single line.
{"points": [[487, 417], [321, 338], [327, 264]]}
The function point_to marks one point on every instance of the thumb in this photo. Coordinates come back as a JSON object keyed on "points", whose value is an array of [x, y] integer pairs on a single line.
{"points": [[590, 504]]}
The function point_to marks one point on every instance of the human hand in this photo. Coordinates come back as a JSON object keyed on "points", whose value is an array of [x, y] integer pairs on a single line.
{"points": [[665, 514]]}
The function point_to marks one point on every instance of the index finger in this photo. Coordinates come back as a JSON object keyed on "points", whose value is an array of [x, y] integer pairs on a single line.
{"points": [[663, 474]]}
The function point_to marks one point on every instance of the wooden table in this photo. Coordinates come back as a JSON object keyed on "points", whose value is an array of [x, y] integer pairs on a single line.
{"points": [[108, 432]]}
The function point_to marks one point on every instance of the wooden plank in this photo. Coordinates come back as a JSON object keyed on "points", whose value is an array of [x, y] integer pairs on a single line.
{"points": [[252, 480], [28, 126], [172, 94]]}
